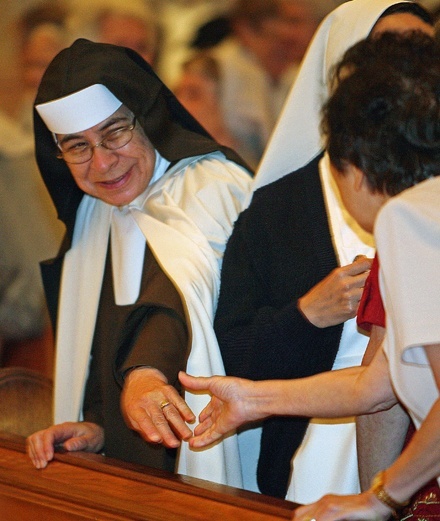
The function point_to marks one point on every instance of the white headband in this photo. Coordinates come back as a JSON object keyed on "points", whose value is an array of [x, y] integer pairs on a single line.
{"points": [[79, 111]]}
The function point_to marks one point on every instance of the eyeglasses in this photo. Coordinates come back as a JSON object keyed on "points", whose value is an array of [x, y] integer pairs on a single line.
{"points": [[80, 151]]}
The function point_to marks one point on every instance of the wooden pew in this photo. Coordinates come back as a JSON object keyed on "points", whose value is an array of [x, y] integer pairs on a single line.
{"points": [[81, 486]]}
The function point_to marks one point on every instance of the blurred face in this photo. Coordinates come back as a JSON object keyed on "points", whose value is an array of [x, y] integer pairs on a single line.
{"points": [[296, 27], [127, 31], [116, 177], [358, 198], [401, 22], [197, 93], [281, 41], [38, 51]]}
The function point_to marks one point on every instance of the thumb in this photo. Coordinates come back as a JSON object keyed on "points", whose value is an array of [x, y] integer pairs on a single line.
{"points": [[193, 383], [360, 264]]}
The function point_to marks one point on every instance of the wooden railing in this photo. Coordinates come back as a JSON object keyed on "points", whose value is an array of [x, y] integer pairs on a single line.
{"points": [[81, 486]]}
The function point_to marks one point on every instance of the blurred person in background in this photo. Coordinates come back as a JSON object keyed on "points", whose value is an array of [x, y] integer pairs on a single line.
{"points": [[180, 20], [30, 229], [42, 33], [259, 62], [131, 23], [22, 306], [199, 90]]}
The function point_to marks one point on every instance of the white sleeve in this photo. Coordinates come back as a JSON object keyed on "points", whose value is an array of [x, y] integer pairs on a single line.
{"points": [[407, 234]]}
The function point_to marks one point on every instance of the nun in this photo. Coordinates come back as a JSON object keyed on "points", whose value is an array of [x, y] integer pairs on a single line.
{"points": [[290, 284], [148, 199]]}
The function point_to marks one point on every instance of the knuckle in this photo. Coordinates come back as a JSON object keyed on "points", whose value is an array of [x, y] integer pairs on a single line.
{"points": [[158, 419]]}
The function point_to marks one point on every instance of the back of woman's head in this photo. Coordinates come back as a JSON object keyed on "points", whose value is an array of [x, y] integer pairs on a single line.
{"points": [[384, 115]]}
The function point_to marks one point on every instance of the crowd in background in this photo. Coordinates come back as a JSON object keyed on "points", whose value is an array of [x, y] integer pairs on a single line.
{"points": [[230, 63]]}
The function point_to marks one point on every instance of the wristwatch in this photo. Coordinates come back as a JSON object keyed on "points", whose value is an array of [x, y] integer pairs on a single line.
{"points": [[377, 487]]}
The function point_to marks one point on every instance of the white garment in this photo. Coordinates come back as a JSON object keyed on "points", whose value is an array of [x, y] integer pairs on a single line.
{"points": [[187, 217], [407, 232], [330, 445], [296, 139], [126, 236]]}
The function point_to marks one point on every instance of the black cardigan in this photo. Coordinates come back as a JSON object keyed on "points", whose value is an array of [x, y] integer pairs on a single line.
{"points": [[280, 248]]}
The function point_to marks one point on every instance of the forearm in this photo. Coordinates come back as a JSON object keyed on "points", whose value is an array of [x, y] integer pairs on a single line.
{"points": [[345, 392], [327, 395], [380, 438], [419, 461]]}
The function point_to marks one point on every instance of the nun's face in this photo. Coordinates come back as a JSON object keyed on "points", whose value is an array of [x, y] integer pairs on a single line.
{"points": [[116, 177]]}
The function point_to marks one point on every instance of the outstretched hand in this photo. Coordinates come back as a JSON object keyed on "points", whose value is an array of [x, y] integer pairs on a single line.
{"points": [[231, 405], [72, 436]]}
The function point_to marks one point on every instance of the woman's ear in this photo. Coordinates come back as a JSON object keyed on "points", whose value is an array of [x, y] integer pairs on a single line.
{"points": [[358, 177]]}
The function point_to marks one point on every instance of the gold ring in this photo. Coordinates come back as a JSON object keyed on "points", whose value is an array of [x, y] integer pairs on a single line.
{"points": [[164, 404]]}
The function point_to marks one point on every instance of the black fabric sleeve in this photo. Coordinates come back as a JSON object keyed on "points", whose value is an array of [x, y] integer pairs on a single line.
{"points": [[154, 337]]}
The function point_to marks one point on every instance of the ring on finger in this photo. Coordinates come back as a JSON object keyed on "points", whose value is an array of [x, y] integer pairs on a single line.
{"points": [[164, 404]]}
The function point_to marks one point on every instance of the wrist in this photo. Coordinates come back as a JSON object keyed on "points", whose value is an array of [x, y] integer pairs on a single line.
{"points": [[143, 371], [378, 489], [306, 312]]}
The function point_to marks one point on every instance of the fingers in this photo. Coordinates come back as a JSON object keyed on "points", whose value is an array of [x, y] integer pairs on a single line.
{"points": [[362, 263], [204, 439], [321, 510], [360, 266], [159, 415], [161, 425], [40, 448], [183, 409], [353, 276], [206, 431], [170, 422], [73, 436]]}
